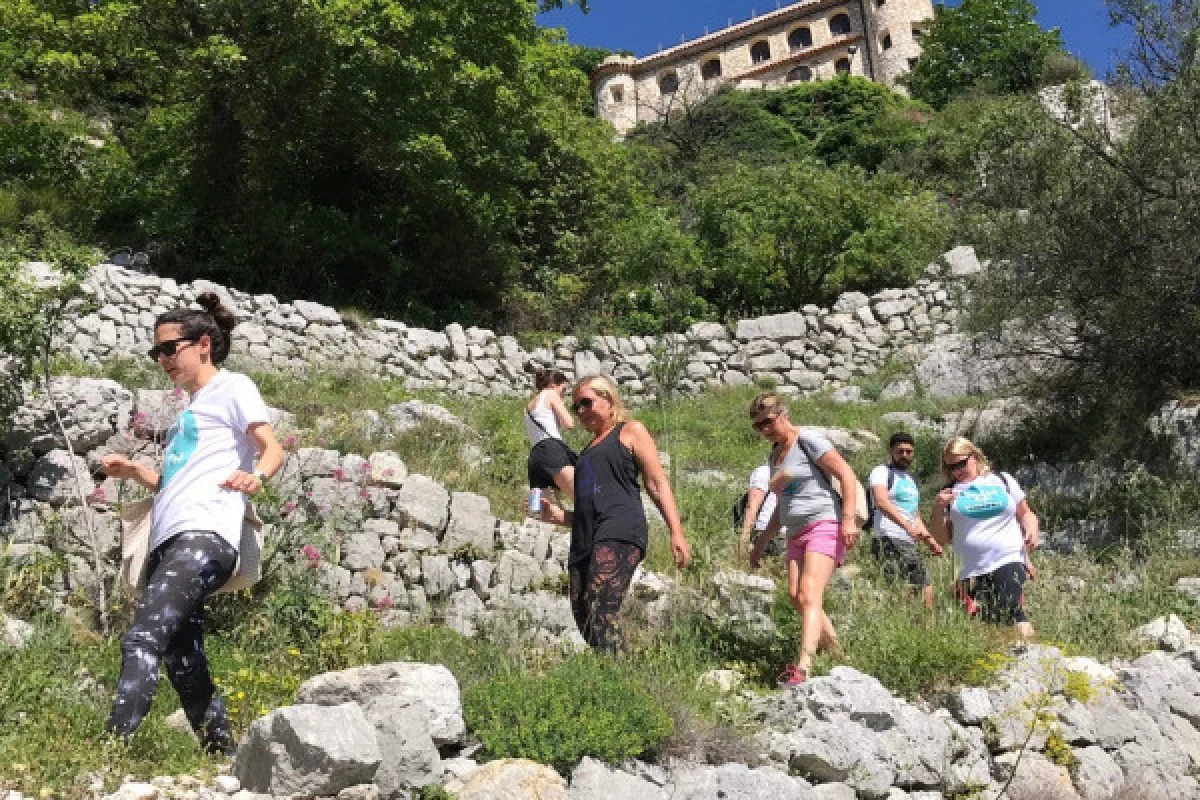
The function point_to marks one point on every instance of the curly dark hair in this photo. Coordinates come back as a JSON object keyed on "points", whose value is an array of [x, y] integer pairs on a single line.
{"points": [[216, 321]]}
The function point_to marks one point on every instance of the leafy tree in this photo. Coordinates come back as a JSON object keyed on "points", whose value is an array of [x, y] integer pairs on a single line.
{"points": [[993, 45], [1100, 232], [776, 238]]}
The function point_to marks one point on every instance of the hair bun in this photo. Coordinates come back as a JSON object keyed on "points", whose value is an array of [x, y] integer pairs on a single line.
{"points": [[211, 303]]}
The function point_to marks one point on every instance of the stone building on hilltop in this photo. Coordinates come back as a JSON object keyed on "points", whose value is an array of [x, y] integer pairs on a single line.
{"points": [[804, 41]]}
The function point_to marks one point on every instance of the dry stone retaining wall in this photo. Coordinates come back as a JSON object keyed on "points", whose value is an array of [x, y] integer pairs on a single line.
{"points": [[801, 350]]}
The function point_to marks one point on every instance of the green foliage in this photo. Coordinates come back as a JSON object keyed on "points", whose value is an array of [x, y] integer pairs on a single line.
{"points": [[779, 237], [993, 45], [583, 707], [1103, 255]]}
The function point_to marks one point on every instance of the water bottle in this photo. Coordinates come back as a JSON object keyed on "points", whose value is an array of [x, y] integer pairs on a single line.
{"points": [[535, 501]]}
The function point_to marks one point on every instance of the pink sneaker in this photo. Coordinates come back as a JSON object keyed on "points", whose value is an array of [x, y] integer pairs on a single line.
{"points": [[791, 676]]}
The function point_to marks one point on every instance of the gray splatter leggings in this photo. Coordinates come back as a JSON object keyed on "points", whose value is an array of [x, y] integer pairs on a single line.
{"points": [[168, 625]]}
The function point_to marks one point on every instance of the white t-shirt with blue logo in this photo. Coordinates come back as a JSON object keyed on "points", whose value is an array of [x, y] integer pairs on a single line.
{"points": [[904, 495], [207, 444], [986, 534]]}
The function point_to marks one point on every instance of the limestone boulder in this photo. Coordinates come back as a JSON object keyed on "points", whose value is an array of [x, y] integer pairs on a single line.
{"points": [[470, 524], [422, 503], [58, 478], [92, 410], [431, 684], [514, 779], [308, 750]]}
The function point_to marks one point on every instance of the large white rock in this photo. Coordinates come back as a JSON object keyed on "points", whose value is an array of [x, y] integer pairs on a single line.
{"points": [[91, 409], [595, 780], [58, 479], [471, 524], [423, 503], [780, 327], [308, 750], [432, 684], [514, 779]]}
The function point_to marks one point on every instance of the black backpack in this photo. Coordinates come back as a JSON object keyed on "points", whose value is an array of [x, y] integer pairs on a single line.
{"points": [[870, 523], [739, 510]]}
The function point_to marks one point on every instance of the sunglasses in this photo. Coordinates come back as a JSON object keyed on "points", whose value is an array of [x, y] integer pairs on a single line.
{"points": [[765, 423], [583, 404], [168, 348], [957, 465]]}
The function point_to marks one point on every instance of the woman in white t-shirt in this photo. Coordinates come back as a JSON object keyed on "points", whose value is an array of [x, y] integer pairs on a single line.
{"points": [[760, 506], [985, 517], [209, 468]]}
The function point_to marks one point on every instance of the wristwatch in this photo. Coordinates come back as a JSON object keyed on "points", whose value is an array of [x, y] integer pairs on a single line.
{"points": [[262, 476]]}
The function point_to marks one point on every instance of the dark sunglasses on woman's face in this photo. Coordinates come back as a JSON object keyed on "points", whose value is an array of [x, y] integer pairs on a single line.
{"points": [[582, 404], [764, 423], [957, 465], [168, 348]]}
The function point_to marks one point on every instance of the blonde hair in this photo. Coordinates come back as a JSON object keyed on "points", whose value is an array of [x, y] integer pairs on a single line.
{"points": [[961, 446], [767, 403], [604, 386]]}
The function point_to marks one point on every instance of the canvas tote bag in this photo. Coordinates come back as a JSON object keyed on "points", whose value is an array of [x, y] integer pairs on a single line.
{"points": [[136, 517]]}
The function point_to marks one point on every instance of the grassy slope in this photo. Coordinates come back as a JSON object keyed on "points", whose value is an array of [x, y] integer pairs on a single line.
{"points": [[50, 734]]}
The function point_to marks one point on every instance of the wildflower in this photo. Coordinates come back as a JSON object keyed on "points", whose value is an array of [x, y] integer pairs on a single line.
{"points": [[364, 493], [293, 652], [289, 507], [289, 443], [97, 496], [177, 393], [364, 467], [311, 554], [339, 475], [384, 603]]}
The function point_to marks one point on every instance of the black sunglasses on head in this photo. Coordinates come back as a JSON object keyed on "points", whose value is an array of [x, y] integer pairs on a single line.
{"points": [[168, 348]]}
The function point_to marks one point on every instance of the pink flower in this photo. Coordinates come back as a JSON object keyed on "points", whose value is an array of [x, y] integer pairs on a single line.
{"points": [[311, 554], [364, 468], [289, 506], [339, 474], [177, 393], [97, 496], [384, 603], [289, 443], [364, 493]]}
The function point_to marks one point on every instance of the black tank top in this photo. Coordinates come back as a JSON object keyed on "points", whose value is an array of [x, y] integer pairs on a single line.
{"points": [[608, 501]]}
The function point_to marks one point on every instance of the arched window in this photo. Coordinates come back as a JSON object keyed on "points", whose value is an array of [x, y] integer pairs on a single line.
{"points": [[711, 69], [618, 94], [760, 51], [668, 83], [800, 73], [801, 37], [840, 24], [842, 66], [886, 43]]}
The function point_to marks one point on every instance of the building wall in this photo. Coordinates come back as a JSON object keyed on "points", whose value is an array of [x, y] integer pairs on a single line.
{"points": [[648, 102]]}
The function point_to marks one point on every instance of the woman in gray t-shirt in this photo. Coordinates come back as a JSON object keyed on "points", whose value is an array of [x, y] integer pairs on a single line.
{"points": [[821, 524]]}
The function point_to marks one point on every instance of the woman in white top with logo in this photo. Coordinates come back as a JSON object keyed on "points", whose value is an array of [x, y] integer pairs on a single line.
{"points": [[985, 517], [551, 461], [219, 451]]}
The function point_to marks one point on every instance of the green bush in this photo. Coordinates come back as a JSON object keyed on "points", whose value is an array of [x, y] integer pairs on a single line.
{"points": [[582, 707]]}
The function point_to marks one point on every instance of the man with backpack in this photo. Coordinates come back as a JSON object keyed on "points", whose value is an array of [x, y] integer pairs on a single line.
{"points": [[752, 512], [896, 519]]}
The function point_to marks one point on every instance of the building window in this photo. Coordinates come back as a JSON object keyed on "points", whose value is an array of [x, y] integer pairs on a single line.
{"points": [[842, 66], [840, 24], [618, 94], [668, 83], [799, 74], [760, 52], [887, 41], [801, 37], [711, 69]]}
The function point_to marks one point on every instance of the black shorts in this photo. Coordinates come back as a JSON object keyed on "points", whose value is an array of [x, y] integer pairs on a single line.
{"points": [[547, 459], [997, 596], [776, 547], [900, 560]]}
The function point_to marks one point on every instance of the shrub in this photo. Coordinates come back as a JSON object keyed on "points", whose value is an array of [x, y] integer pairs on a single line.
{"points": [[584, 706]]}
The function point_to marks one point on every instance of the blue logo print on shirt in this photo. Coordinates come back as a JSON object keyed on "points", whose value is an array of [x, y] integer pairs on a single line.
{"points": [[182, 441], [905, 495], [981, 502]]}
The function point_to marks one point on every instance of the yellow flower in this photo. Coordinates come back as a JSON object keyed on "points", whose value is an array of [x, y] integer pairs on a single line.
{"points": [[293, 651], [241, 695]]}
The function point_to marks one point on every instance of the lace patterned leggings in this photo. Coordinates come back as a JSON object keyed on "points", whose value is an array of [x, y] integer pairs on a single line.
{"points": [[168, 626], [597, 589]]}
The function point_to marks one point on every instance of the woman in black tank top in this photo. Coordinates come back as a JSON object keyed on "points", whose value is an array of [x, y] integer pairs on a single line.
{"points": [[608, 525]]}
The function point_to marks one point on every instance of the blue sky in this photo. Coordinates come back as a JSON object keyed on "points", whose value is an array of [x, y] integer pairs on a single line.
{"points": [[1084, 24]]}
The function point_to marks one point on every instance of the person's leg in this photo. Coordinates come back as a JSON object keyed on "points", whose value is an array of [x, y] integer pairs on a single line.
{"points": [[1003, 601], [927, 595], [809, 599], [186, 570], [609, 575], [580, 601], [564, 482]]}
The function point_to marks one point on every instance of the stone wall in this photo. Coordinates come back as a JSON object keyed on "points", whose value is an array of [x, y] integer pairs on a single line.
{"points": [[803, 350]]}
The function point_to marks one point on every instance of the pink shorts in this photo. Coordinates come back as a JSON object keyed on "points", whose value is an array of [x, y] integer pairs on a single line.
{"points": [[824, 537]]}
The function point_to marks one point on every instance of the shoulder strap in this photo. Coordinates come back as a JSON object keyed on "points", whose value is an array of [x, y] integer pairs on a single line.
{"points": [[820, 470], [1005, 478], [541, 427], [891, 476]]}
